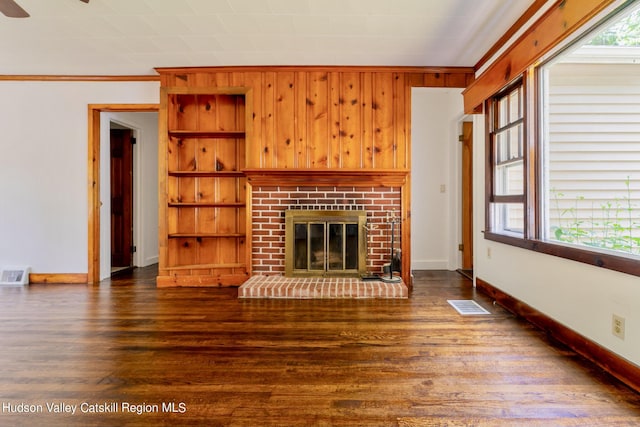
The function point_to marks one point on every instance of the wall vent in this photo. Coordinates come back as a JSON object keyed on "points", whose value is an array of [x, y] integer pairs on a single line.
{"points": [[14, 276]]}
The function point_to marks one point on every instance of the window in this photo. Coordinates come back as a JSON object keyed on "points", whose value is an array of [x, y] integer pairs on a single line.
{"points": [[571, 187], [591, 142], [506, 157]]}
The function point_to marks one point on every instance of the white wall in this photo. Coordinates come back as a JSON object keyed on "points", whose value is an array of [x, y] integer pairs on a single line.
{"points": [[43, 168], [43, 172], [579, 296], [145, 188], [435, 155]]}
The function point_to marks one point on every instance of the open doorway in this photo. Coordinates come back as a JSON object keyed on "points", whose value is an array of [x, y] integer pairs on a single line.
{"points": [[121, 144], [436, 116], [142, 119], [129, 204]]}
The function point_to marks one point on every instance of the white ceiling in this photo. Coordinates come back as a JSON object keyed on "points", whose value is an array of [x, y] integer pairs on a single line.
{"points": [[131, 37]]}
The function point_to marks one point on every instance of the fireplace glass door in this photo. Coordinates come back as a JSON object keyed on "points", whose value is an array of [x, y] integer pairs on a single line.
{"points": [[322, 243], [326, 246]]}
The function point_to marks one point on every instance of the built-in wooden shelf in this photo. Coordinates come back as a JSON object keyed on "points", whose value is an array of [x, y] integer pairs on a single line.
{"points": [[184, 133], [206, 174], [203, 136]]}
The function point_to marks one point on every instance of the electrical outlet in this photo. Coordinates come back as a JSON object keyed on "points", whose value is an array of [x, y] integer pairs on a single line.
{"points": [[617, 326]]}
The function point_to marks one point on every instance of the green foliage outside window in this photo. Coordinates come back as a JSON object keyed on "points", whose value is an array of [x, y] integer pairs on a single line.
{"points": [[625, 32], [616, 227]]}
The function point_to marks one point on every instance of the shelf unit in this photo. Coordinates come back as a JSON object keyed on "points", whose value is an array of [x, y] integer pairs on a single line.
{"points": [[203, 202]]}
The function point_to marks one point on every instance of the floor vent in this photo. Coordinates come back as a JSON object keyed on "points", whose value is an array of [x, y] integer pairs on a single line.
{"points": [[14, 276], [467, 307]]}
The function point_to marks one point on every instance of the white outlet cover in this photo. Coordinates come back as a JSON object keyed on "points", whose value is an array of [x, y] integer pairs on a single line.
{"points": [[617, 326]]}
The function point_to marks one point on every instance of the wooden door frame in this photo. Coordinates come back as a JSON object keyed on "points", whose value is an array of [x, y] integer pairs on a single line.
{"points": [[93, 178]]}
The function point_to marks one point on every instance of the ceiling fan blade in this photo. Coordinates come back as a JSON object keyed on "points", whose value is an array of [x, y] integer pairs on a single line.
{"points": [[86, 1], [11, 9]]}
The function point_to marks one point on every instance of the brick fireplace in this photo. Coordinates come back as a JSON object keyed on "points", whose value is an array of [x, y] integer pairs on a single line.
{"points": [[270, 202]]}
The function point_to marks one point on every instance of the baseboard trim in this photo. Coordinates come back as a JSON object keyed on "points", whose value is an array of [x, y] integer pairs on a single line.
{"points": [[429, 265], [59, 278], [217, 281], [619, 367]]}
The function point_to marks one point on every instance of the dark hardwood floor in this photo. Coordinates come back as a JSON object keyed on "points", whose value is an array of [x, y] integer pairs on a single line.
{"points": [[129, 347]]}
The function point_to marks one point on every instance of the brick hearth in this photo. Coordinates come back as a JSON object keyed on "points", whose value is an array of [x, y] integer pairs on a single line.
{"points": [[278, 287]]}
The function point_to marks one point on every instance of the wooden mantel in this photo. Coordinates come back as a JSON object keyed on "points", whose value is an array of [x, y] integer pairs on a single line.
{"points": [[332, 177]]}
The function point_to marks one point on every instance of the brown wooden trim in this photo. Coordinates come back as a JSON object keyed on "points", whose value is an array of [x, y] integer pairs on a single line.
{"points": [[488, 165], [584, 255], [518, 198], [71, 78], [220, 280], [336, 177], [405, 237], [125, 108], [93, 180], [491, 126], [619, 367], [405, 196], [532, 160], [65, 278], [218, 90], [559, 22], [455, 77], [526, 16], [163, 227], [249, 229], [93, 186], [340, 68], [248, 128], [466, 196]]}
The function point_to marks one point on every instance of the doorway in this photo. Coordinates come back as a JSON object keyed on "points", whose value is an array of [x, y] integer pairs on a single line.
{"points": [[144, 184], [121, 141], [129, 208]]}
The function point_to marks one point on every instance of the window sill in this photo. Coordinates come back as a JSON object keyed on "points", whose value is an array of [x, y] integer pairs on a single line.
{"points": [[598, 259]]}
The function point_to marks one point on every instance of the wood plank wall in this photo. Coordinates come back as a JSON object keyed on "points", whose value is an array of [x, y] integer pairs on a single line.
{"points": [[325, 117], [337, 119]]}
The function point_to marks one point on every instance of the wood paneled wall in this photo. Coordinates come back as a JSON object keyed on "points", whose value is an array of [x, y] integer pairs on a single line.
{"points": [[325, 117], [337, 120]]}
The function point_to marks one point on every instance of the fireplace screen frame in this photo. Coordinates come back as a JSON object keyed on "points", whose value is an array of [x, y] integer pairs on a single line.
{"points": [[326, 218]]}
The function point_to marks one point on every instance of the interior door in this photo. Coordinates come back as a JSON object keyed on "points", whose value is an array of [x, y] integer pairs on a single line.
{"points": [[121, 197], [467, 196]]}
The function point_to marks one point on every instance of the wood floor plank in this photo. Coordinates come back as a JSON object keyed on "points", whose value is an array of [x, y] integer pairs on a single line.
{"points": [[230, 362]]}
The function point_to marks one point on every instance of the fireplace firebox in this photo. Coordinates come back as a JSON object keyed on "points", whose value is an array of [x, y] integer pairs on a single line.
{"points": [[325, 243]]}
